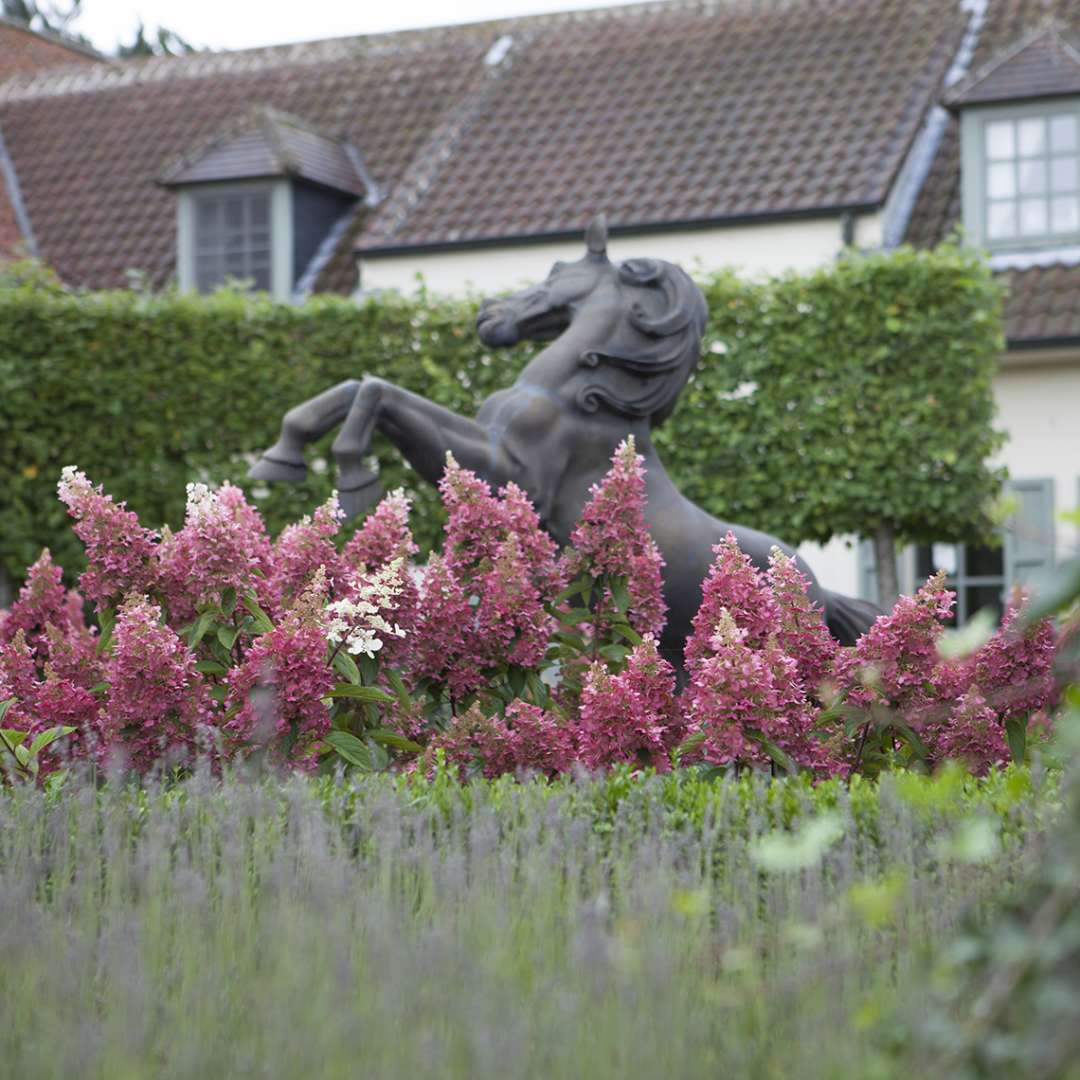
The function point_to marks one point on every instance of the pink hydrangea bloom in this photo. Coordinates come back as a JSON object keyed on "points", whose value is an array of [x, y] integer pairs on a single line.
{"points": [[305, 546], [632, 716], [741, 694], [277, 692], [539, 740], [121, 554], [1014, 669], [511, 625], [383, 536], [43, 601], [973, 734], [612, 539], [538, 551], [156, 701], [800, 625], [223, 545], [476, 525], [734, 586], [896, 662], [18, 679], [475, 743], [437, 645]]}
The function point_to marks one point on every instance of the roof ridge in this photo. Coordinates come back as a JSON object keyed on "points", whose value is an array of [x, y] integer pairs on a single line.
{"points": [[127, 72]]}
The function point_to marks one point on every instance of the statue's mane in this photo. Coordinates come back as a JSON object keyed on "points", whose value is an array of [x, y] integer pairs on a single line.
{"points": [[665, 351]]}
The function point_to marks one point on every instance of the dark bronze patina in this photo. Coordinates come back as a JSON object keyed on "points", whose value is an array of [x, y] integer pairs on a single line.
{"points": [[624, 340]]}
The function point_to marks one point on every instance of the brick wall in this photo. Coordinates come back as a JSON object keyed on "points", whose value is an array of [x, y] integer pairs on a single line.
{"points": [[23, 50]]}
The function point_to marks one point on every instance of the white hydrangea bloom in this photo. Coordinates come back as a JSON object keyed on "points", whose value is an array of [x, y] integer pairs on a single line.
{"points": [[358, 622]]}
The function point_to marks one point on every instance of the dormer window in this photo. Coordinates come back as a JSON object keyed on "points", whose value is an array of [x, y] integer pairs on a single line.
{"points": [[1020, 146], [232, 236], [263, 203], [1030, 176]]}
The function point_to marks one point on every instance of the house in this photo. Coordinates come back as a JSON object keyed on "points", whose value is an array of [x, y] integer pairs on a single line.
{"points": [[765, 134]]}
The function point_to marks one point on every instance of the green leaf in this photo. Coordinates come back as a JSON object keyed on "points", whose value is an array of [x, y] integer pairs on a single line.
{"points": [[5, 706], [621, 595], [691, 743], [199, 629], [1016, 734], [211, 667], [773, 751], [106, 620], [46, 738], [228, 601], [346, 667], [11, 737], [359, 693], [398, 742], [577, 588], [350, 749], [400, 690], [516, 678], [22, 755], [227, 635], [263, 625]]}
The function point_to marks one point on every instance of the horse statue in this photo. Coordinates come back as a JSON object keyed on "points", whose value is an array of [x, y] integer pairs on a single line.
{"points": [[623, 341]]}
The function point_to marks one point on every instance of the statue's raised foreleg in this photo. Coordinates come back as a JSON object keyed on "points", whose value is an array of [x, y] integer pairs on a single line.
{"points": [[303, 424], [420, 429]]}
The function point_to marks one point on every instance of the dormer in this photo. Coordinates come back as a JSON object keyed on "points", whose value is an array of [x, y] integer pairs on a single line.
{"points": [[258, 203], [1020, 146]]}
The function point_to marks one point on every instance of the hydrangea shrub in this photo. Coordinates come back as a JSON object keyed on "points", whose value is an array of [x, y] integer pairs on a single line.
{"points": [[498, 654]]}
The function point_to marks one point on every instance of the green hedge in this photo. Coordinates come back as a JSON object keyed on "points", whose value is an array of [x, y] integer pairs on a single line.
{"points": [[148, 392]]}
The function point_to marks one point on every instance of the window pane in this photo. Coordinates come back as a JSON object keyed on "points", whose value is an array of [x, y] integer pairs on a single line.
{"points": [[234, 213], [259, 207], [1033, 217], [984, 596], [206, 215], [1063, 174], [1001, 220], [943, 557], [1033, 177], [1062, 134], [1001, 181], [1065, 214], [985, 561], [262, 278], [999, 139], [1032, 136]]}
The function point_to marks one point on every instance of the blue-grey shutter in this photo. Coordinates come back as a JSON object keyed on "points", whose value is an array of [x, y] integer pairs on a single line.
{"points": [[1029, 535]]}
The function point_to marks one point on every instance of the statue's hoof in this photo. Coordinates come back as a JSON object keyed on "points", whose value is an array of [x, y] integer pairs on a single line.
{"points": [[273, 470], [356, 500]]}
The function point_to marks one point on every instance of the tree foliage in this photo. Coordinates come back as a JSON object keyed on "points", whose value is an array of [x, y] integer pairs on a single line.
{"points": [[830, 403]]}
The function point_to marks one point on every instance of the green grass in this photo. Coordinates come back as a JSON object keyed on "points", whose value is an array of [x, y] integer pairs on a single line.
{"points": [[616, 927]]}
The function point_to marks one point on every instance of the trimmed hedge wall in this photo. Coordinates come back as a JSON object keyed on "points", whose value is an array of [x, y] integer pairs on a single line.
{"points": [[777, 429]]}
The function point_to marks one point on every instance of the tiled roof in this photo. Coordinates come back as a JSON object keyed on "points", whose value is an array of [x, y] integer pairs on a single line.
{"points": [[90, 146], [272, 143], [1043, 301], [679, 112], [1042, 64], [1043, 304], [661, 113]]}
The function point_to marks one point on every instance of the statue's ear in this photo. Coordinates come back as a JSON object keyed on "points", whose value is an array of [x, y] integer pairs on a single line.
{"points": [[596, 237]]}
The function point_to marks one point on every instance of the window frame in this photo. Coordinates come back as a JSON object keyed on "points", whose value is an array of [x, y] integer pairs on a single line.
{"points": [[281, 230], [974, 122]]}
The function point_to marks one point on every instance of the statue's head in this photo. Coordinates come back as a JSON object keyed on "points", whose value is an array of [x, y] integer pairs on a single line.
{"points": [[648, 335], [542, 312]]}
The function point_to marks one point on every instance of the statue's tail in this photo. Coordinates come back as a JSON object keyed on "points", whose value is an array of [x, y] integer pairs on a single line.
{"points": [[848, 618]]}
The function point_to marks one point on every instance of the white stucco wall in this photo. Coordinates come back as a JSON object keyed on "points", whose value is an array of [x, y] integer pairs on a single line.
{"points": [[752, 249], [1038, 399]]}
